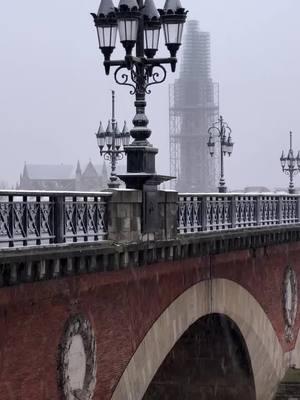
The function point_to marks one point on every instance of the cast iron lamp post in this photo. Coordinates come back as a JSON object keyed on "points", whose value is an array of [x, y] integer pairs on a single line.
{"points": [[221, 130], [139, 24], [111, 144], [290, 164]]}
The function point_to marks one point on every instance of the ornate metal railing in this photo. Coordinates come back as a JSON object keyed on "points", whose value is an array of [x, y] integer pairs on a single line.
{"points": [[217, 212], [40, 218], [35, 218]]}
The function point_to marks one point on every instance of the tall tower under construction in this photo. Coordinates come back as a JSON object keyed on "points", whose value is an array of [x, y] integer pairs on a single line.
{"points": [[194, 106]]}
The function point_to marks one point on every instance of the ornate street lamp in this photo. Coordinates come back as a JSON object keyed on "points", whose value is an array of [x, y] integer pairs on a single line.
{"points": [[139, 24], [112, 143], [290, 164], [221, 130]]}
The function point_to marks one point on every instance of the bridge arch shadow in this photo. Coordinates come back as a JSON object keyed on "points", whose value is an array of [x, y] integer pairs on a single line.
{"points": [[210, 361], [228, 309]]}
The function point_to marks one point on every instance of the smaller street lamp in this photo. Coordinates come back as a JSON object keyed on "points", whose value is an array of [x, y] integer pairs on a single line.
{"points": [[290, 164], [111, 144], [221, 130]]}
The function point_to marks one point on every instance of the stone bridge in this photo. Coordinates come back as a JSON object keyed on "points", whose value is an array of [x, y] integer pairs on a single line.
{"points": [[94, 304]]}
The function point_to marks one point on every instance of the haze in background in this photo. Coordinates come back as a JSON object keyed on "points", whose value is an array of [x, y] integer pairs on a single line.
{"points": [[53, 91]]}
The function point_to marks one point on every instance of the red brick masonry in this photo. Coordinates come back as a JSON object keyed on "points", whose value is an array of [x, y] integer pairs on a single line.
{"points": [[122, 306]]}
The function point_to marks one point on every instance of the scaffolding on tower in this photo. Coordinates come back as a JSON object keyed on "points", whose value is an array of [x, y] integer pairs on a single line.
{"points": [[194, 107]]}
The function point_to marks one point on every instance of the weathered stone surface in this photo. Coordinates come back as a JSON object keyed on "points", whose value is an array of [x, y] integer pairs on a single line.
{"points": [[127, 219]]}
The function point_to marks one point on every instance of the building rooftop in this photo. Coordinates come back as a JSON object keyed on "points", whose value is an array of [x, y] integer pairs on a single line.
{"points": [[49, 172]]}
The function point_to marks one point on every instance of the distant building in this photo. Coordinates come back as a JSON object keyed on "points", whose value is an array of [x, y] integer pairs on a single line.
{"points": [[256, 189], [64, 177], [194, 107]]}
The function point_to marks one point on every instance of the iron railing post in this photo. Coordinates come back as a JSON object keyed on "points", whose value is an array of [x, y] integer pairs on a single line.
{"points": [[233, 211], [59, 219], [24, 206], [75, 219], [96, 219], [11, 220], [258, 210], [85, 219], [280, 210], [38, 220], [298, 209], [204, 213]]}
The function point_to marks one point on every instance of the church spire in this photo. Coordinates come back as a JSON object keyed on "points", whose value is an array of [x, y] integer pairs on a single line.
{"points": [[78, 169]]}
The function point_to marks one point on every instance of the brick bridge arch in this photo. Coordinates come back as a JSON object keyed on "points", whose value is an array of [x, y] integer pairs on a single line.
{"points": [[217, 296]]}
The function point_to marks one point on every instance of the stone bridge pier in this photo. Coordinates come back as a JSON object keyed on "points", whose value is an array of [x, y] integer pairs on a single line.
{"points": [[203, 307]]}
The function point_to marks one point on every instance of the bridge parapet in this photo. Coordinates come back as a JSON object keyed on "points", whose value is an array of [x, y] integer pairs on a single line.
{"points": [[39, 218], [30, 218], [219, 212], [40, 263]]}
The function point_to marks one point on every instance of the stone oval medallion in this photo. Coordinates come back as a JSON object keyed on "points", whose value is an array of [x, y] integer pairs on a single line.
{"points": [[77, 360], [290, 301]]}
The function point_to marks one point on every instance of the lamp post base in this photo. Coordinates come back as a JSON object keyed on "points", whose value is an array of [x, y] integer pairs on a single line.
{"points": [[222, 189], [114, 182], [113, 185], [141, 158], [142, 181], [141, 171]]}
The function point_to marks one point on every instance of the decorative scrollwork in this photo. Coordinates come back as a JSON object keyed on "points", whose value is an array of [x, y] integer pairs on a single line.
{"points": [[238, 211], [142, 76], [84, 218], [157, 77], [123, 79], [292, 172], [5, 211], [108, 155]]}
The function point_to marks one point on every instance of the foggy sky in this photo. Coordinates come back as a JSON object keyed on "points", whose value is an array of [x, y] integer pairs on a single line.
{"points": [[53, 91]]}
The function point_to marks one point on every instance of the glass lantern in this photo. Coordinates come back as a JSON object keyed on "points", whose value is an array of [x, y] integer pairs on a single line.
{"points": [[118, 138], [101, 137], [107, 26], [152, 27], [173, 18], [128, 17], [109, 133], [211, 145]]}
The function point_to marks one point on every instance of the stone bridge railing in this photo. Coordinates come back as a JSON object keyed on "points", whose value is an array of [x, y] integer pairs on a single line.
{"points": [[42, 218], [219, 212]]}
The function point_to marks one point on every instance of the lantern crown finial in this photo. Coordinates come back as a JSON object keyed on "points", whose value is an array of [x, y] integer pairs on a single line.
{"points": [[173, 6], [149, 11], [100, 130], [125, 129], [106, 8], [129, 5], [109, 127]]}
